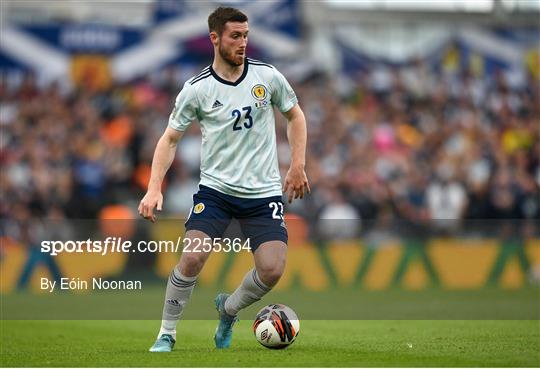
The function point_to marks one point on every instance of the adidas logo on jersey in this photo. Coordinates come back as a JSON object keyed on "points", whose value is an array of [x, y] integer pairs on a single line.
{"points": [[217, 104]]}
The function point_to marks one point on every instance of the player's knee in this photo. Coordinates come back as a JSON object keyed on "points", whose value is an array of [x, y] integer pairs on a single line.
{"points": [[191, 264], [271, 275]]}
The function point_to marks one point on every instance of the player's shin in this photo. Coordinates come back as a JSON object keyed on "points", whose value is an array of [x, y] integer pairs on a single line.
{"points": [[179, 289], [251, 289]]}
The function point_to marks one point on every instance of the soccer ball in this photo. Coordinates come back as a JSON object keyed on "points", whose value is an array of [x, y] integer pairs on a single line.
{"points": [[276, 326]]}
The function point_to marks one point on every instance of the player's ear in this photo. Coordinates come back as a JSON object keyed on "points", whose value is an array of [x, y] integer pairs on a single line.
{"points": [[214, 38]]}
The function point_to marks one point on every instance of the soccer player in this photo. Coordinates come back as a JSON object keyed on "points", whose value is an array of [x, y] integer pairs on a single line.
{"points": [[233, 101]]}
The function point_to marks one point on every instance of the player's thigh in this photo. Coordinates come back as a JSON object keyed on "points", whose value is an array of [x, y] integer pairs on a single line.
{"points": [[270, 258], [209, 215], [196, 248], [208, 219], [265, 223]]}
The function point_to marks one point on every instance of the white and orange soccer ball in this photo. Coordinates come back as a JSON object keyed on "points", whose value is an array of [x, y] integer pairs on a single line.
{"points": [[276, 326]]}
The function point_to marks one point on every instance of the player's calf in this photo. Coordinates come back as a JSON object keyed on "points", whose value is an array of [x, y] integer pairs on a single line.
{"points": [[251, 289]]}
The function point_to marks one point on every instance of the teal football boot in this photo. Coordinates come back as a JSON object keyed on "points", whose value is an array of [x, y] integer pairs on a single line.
{"points": [[164, 343], [223, 335]]}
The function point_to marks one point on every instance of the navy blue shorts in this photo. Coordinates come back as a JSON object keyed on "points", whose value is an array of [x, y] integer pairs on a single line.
{"points": [[260, 220]]}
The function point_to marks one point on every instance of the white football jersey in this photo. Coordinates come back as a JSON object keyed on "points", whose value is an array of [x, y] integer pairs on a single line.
{"points": [[238, 154]]}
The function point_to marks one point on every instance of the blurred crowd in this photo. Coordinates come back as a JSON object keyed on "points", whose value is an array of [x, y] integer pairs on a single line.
{"points": [[408, 143]]}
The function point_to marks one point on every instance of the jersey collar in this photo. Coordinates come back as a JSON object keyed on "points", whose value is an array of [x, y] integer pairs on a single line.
{"points": [[235, 83]]}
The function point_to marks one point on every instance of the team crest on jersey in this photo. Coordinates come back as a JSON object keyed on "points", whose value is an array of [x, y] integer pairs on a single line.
{"points": [[259, 92], [198, 208]]}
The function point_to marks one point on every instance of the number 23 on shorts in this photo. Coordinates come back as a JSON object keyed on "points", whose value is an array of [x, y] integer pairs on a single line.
{"points": [[277, 209]]}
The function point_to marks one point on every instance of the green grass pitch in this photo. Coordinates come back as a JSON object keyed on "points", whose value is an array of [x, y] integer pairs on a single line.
{"points": [[363, 343]]}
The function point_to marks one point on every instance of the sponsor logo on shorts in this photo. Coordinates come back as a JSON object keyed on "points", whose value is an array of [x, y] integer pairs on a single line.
{"points": [[198, 208]]}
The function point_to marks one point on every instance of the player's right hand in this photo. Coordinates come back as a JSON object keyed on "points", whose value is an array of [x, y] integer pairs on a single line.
{"points": [[152, 199]]}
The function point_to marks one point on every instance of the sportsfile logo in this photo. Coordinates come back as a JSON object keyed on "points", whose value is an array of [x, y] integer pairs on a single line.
{"points": [[112, 245]]}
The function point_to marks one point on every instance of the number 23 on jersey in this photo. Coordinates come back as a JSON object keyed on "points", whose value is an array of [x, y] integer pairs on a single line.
{"points": [[246, 121]]}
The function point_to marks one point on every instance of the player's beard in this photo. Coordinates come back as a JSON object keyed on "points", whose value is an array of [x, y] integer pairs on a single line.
{"points": [[229, 57]]}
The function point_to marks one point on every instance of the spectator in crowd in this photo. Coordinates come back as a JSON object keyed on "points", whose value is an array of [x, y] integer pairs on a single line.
{"points": [[411, 141]]}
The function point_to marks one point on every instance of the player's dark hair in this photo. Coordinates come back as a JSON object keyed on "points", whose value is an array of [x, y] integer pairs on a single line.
{"points": [[222, 15]]}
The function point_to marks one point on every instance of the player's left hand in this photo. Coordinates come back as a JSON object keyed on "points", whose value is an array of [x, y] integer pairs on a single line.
{"points": [[296, 183]]}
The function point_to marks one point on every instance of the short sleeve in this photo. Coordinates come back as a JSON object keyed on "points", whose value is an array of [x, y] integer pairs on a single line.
{"points": [[185, 109], [283, 95]]}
